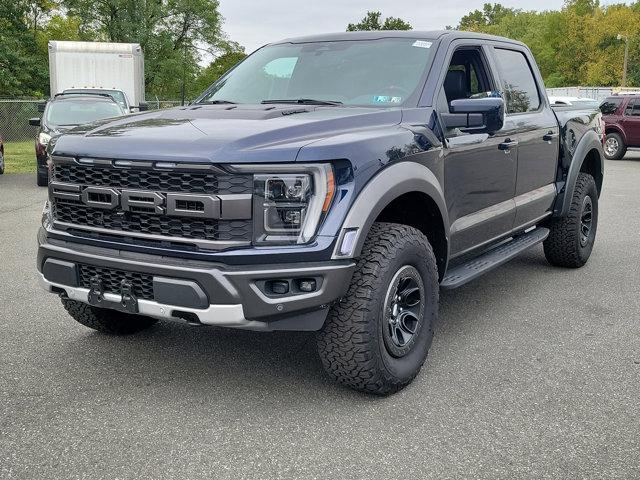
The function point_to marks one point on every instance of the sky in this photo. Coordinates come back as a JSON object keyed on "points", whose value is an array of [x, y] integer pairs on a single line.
{"points": [[252, 23]]}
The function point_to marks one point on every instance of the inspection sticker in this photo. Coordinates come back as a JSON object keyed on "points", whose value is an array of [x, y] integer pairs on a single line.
{"points": [[422, 44], [386, 99]]}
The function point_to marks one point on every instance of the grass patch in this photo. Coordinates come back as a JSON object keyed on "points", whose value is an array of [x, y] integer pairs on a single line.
{"points": [[19, 157]]}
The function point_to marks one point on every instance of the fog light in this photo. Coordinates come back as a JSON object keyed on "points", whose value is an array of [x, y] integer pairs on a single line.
{"points": [[279, 287], [307, 285]]}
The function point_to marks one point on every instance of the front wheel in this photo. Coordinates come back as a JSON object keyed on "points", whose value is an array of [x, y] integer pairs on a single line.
{"points": [[376, 339], [105, 320], [42, 179], [572, 237]]}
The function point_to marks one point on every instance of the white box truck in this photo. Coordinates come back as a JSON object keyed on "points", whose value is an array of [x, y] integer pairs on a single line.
{"points": [[116, 69]]}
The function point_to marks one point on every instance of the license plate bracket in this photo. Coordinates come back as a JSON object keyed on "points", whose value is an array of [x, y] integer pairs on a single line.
{"points": [[128, 302]]}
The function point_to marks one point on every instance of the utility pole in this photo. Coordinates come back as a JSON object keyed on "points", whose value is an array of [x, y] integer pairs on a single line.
{"points": [[626, 58]]}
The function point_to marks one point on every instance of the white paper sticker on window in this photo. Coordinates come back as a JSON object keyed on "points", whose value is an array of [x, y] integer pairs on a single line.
{"points": [[422, 44]]}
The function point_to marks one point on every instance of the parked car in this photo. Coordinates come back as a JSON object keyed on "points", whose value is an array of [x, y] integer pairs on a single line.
{"points": [[1, 156], [64, 112], [331, 183], [621, 114], [582, 102], [118, 95]]}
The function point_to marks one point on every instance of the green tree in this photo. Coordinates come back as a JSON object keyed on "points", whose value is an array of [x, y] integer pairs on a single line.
{"points": [[371, 21], [222, 64], [21, 63], [173, 35]]}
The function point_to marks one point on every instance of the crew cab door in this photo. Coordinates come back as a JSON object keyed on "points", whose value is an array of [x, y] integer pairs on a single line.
{"points": [[530, 122], [631, 122], [479, 169]]}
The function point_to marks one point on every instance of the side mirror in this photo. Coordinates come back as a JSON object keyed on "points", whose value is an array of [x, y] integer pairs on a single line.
{"points": [[41, 106], [34, 122], [479, 115], [143, 107]]}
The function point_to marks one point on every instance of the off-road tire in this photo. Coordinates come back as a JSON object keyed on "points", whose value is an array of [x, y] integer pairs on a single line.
{"points": [[42, 180], [351, 344], [563, 247], [622, 148], [105, 320]]}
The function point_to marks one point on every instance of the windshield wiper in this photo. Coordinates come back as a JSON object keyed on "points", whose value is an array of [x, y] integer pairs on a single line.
{"points": [[216, 102], [302, 101]]}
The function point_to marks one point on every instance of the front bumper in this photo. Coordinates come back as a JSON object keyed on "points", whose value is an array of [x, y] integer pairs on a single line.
{"points": [[208, 293]]}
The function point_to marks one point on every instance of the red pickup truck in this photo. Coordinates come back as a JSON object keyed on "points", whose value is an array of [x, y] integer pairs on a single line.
{"points": [[621, 114]]}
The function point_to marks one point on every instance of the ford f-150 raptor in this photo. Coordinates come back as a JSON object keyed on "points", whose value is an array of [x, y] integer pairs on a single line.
{"points": [[331, 183]]}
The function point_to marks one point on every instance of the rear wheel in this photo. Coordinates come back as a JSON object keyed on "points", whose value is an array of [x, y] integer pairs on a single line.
{"points": [[106, 320], [571, 238], [614, 147], [1, 163], [377, 338]]}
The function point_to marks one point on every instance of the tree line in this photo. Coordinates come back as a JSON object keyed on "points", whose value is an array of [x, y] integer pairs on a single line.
{"points": [[175, 36], [580, 44]]}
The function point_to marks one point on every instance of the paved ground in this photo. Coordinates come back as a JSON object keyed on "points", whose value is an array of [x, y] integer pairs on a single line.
{"points": [[534, 372]]}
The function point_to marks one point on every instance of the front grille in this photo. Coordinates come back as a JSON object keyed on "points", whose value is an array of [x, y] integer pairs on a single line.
{"points": [[141, 283], [162, 181], [145, 223], [186, 232]]}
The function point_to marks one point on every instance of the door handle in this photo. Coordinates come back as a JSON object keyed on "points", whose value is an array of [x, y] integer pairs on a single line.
{"points": [[507, 145], [549, 136]]}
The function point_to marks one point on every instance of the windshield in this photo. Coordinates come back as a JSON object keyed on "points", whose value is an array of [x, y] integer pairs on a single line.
{"points": [[70, 112], [382, 72], [117, 95]]}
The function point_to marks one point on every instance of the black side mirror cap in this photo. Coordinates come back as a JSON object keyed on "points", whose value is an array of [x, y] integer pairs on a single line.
{"points": [[41, 106], [479, 115], [143, 107], [34, 122]]}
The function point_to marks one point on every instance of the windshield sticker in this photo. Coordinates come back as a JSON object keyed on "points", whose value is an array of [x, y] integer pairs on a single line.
{"points": [[422, 44], [386, 99]]}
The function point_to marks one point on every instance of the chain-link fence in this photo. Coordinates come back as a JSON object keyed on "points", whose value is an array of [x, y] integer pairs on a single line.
{"points": [[14, 119], [15, 115]]}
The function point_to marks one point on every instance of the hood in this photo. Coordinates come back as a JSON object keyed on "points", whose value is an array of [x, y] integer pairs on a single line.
{"points": [[220, 133]]}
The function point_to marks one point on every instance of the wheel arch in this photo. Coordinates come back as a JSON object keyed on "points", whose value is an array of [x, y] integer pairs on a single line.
{"points": [[588, 157], [407, 193], [615, 129]]}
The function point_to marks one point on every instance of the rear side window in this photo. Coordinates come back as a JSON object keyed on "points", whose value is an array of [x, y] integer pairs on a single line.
{"points": [[633, 108], [610, 105], [520, 90]]}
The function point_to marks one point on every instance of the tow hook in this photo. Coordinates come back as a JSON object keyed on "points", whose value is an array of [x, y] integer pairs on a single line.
{"points": [[128, 301]]}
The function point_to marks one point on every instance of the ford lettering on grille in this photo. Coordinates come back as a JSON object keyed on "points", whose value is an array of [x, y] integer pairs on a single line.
{"points": [[171, 204]]}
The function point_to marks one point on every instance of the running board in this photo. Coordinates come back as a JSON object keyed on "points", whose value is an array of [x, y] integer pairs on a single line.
{"points": [[475, 267]]}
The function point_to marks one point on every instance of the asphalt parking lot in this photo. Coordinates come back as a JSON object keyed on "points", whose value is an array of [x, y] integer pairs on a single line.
{"points": [[534, 373]]}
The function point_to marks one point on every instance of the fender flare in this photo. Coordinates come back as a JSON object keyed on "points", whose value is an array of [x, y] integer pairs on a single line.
{"points": [[380, 191], [590, 141]]}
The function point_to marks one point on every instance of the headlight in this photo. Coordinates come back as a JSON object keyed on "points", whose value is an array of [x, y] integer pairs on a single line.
{"points": [[289, 201], [43, 138]]}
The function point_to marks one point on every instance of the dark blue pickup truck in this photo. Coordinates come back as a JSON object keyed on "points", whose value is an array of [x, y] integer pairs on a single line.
{"points": [[331, 183]]}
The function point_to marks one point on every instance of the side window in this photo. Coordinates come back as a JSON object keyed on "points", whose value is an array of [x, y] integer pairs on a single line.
{"points": [[466, 76], [633, 108], [610, 105], [520, 90]]}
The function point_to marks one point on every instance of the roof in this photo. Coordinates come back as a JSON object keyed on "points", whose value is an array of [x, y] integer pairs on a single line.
{"points": [[378, 34], [83, 97], [95, 47]]}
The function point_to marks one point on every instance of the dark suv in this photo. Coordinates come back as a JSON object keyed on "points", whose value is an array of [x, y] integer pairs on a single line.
{"points": [[64, 112], [331, 184], [621, 114]]}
